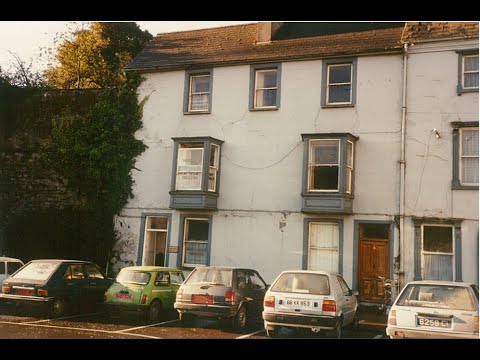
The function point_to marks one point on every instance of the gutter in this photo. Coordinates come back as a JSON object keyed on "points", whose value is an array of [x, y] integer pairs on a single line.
{"points": [[401, 244]]}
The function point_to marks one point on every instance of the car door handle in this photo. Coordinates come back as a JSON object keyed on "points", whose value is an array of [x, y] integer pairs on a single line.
{"points": [[69, 283]]}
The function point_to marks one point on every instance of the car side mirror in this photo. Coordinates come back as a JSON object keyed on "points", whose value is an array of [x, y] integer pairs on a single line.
{"points": [[353, 293]]}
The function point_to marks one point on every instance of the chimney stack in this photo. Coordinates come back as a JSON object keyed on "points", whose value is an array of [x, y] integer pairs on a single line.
{"points": [[266, 31]]}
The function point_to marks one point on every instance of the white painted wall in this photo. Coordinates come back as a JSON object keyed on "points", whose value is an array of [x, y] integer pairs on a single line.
{"points": [[432, 102]]}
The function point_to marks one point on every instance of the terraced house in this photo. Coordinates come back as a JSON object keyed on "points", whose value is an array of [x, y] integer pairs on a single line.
{"points": [[349, 146]]}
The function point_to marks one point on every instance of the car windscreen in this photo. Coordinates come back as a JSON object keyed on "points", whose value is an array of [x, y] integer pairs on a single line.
{"points": [[133, 277], [36, 271], [437, 296], [210, 276], [317, 284]]}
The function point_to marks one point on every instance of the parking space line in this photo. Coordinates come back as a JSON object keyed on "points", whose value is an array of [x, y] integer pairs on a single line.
{"points": [[379, 336], [146, 326], [251, 334], [61, 318], [78, 329]]}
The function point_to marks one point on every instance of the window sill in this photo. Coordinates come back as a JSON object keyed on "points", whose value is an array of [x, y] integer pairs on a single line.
{"points": [[196, 112], [464, 187], [193, 200], [461, 90], [337, 106], [265, 109]]}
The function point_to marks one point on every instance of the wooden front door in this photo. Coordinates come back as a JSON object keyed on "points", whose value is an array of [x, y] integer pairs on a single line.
{"points": [[373, 261]]}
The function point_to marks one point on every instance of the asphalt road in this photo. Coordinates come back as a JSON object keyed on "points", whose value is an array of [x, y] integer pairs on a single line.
{"points": [[28, 324]]}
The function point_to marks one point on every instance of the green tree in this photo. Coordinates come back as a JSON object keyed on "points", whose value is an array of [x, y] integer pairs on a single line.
{"points": [[95, 57]]}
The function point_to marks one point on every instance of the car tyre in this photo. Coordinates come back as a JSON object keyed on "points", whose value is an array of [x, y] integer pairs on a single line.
{"points": [[354, 324], [337, 332], [59, 307], [185, 318], [240, 320], [273, 333], [154, 311]]}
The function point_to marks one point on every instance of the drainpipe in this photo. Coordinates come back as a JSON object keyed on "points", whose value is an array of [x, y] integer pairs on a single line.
{"points": [[401, 245]]}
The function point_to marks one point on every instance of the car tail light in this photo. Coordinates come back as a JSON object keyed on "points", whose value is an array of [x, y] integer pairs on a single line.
{"points": [[6, 289], [230, 296], [144, 299], [475, 324], [269, 301], [42, 292], [179, 295], [392, 317], [329, 306]]}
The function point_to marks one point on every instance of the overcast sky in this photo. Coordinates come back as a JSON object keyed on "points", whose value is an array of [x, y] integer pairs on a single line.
{"points": [[25, 38]]}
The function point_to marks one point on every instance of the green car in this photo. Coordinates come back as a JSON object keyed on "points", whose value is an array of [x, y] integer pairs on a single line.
{"points": [[147, 290]]}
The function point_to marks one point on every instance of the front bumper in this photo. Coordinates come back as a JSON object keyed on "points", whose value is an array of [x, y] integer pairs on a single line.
{"points": [[218, 311], [406, 333], [299, 320]]}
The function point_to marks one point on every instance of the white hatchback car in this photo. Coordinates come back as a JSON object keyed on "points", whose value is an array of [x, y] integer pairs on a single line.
{"points": [[8, 266], [435, 309], [315, 300]]}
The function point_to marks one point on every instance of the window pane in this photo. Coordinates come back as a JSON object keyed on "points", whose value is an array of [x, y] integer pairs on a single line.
{"points": [[93, 272], [266, 78], [339, 94], [310, 283], [325, 152], [470, 80], [349, 154], [156, 222], [266, 98], [2, 268], [469, 142], [189, 181], [324, 235], [438, 239], [340, 74], [199, 102], [325, 178], [374, 231], [200, 84], [36, 271], [190, 157], [12, 267], [212, 179], [197, 229], [438, 267], [195, 253], [470, 170], [214, 156], [324, 260], [470, 63], [349, 181]]}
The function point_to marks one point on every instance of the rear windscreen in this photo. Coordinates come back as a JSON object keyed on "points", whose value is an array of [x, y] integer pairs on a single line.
{"points": [[302, 283], [210, 276], [437, 296], [36, 271], [133, 277]]}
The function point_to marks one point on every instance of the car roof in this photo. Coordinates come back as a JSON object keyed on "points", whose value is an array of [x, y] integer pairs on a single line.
{"points": [[440, 282], [4, 258], [150, 268], [225, 268], [319, 272], [62, 261]]}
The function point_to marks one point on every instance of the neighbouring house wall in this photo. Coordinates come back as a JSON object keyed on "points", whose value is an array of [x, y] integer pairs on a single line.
{"points": [[259, 222]]}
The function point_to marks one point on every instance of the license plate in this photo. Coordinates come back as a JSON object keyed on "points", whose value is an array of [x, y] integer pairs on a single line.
{"points": [[299, 303], [202, 299], [433, 322], [123, 296], [25, 292]]}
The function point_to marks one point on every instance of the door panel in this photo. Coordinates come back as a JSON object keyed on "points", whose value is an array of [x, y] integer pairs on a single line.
{"points": [[373, 262]]}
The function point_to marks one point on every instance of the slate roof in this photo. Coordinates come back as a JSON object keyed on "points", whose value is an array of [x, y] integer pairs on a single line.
{"points": [[232, 45]]}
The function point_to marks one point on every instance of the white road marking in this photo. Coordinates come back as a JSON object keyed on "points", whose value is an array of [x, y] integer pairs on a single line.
{"points": [[379, 336], [61, 318], [251, 334], [78, 329], [146, 326]]}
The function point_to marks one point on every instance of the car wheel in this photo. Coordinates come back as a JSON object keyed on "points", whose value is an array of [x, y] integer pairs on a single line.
{"points": [[154, 311], [240, 320], [337, 332], [273, 333], [354, 324], [185, 318], [59, 307]]}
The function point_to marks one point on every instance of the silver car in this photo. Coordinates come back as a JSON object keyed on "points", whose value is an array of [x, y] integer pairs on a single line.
{"points": [[435, 309], [315, 300]]}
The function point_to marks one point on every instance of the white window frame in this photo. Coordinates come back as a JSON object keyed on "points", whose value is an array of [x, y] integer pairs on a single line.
{"points": [[332, 249], [257, 71], [191, 93], [468, 72], [460, 156], [179, 151], [184, 245], [437, 253], [147, 230], [349, 179], [329, 66], [214, 169], [311, 157]]}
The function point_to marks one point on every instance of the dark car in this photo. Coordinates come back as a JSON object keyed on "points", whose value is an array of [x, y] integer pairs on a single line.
{"points": [[234, 295], [58, 284]]}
